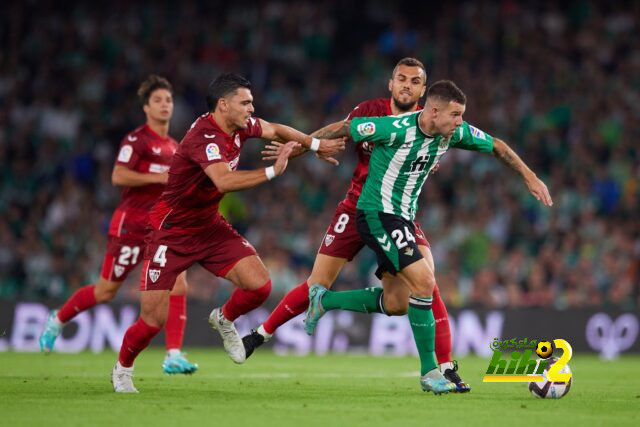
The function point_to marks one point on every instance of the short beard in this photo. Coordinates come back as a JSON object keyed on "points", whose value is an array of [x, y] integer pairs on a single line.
{"points": [[404, 106]]}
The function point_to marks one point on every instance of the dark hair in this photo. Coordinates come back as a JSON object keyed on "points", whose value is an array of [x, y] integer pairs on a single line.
{"points": [[223, 85], [447, 91], [410, 62], [152, 83]]}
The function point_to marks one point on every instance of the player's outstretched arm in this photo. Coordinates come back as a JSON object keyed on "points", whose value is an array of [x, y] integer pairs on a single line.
{"points": [[227, 180], [270, 151], [506, 155], [122, 176], [282, 133]]}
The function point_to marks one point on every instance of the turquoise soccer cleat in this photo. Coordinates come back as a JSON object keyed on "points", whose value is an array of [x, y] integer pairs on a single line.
{"points": [[178, 364], [51, 331], [315, 310], [434, 381]]}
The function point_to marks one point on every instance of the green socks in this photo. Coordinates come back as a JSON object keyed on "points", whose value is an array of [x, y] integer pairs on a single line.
{"points": [[367, 300], [423, 326]]}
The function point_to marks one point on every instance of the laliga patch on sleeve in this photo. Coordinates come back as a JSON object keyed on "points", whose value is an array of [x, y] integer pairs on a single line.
{"points": [[125, 153], [366, 128], [477, 133], [213, 152]]}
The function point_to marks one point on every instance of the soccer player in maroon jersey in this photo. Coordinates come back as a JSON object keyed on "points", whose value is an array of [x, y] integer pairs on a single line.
{"points": [[342, 242], [141, 169], [187, 227]]}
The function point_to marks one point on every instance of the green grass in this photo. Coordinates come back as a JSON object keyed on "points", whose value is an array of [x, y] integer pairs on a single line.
{"points": [[64, 389]]}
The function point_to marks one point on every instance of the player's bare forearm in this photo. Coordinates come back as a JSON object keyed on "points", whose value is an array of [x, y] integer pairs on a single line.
{"points": [[328, 130], [284, 133], [335, 130], [122, 176], [536, 187], [227, 180], [506, 155]]}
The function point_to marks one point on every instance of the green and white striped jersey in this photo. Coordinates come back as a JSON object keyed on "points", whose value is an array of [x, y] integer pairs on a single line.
{"points": [[402, 158]]}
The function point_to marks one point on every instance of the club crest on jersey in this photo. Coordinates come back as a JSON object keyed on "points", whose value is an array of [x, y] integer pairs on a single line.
{"points": [[477, 133], [213, 152], [366, 128], [156, 150], [154, 275], [125, 153], [118, 270], [328, 240]]}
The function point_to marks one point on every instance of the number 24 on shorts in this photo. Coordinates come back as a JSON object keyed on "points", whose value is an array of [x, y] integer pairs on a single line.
{"points": [[161, 255]]}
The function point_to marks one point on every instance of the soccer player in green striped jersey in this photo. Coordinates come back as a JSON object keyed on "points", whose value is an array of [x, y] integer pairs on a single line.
{"points": [[406, 148]]}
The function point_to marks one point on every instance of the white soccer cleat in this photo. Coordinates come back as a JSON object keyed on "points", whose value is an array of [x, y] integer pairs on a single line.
{"points": [[121, 378], [230, 337]]}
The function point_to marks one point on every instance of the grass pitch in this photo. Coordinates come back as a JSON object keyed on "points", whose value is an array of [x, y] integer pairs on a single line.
{"points": [[271, 390]]}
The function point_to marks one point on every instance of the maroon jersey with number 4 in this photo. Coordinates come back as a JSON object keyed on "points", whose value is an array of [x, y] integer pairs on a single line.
{"points": [[142, 150], [189, 203]]}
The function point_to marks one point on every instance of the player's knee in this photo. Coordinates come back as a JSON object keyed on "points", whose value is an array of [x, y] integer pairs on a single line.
{"points": [[153, 316], [393, 306], [105, 293]]}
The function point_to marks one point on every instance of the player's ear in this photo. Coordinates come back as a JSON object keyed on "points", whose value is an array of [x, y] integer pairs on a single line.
{"points": [[390, 85], [145, 108], [424, 89]]}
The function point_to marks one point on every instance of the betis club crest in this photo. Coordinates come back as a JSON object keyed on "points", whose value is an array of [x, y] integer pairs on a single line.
{"points": [[328, 239]]}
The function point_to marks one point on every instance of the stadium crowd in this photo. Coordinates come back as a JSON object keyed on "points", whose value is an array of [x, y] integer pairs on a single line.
{"points": [[559, 81]]}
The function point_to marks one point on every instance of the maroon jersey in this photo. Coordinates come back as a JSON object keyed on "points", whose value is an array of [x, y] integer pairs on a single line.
{"points": [[143, 151], [189, 203], [376, 107]]}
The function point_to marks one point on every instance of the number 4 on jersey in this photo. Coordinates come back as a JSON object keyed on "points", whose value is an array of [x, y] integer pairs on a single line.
{"points": [[161, 255]]}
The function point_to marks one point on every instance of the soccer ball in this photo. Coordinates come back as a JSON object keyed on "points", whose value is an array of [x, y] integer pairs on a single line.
{"points": [[544, 349], [550, 389]]}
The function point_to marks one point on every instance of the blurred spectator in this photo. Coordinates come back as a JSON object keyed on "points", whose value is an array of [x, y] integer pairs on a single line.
{"points": [[557, 80]]}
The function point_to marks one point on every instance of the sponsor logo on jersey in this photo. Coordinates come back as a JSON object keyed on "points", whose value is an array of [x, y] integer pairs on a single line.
{"points": [[213, 152], [154, 275], [156, 168], [477, 133], [118, 270], [366, 128], [125, 153], [156, 150], [328, 240], [132, 138]]}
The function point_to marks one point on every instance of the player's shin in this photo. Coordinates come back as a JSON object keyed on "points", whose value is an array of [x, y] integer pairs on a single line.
{"points": [[368, 300], [82, 299], [423, 327], [136, 339], [443, 331], [176, 321], [243, 301], [295, 302]]}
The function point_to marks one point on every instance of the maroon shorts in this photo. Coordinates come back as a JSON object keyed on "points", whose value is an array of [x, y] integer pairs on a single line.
{"points": [[342, 239], [121, 257], [167, 254]]}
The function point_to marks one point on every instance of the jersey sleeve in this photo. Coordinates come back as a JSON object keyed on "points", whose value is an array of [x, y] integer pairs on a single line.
{"points": [[371, 129], [207, 149], [361, 110], [468, 137], [131, 150], [253, 130]]}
